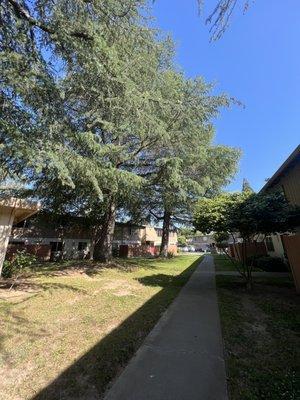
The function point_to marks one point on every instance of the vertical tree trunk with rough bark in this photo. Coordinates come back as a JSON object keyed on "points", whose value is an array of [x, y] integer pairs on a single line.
{"points": [[165, 235], [103, 248]]}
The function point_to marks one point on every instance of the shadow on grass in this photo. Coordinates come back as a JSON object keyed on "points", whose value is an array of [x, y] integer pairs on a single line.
{"points": [[88, 377], [14, 289], [231, 282], [88, 267], [17, 325]]}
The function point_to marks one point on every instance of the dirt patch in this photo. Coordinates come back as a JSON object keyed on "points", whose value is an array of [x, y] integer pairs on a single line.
{"points": [[258, 317]]}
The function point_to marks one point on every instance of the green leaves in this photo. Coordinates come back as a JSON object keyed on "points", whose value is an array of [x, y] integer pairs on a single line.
{"points": [[248, 213]]}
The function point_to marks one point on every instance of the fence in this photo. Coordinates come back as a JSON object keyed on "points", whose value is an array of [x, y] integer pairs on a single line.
{"points": [[41, 251], [292, 248], [240, 251]]}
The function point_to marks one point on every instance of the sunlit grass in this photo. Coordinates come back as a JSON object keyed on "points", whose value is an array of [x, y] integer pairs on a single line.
{"points": [[63, 312]]}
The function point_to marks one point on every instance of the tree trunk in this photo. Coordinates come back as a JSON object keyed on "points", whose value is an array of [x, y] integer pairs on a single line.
{"points": [[165, 235], [103, 248], [92, 247]]}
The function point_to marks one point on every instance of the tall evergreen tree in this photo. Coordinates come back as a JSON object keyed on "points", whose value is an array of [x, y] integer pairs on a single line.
{"points": [[188, 165], [246, 186]]}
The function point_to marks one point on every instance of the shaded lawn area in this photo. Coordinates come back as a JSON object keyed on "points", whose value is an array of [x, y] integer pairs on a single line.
{"points": [[261, 331], [68, 329], [223, 263]]}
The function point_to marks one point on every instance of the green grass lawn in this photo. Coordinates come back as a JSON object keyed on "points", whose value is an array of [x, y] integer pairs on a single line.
{"points": [[67, 330], [223, 263], [261, 331]]}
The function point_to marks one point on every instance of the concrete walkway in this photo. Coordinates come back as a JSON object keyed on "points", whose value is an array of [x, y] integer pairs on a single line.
{"points": [[182, 358]]}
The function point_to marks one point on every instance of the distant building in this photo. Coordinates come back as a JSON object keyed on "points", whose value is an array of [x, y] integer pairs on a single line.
{"points": [[201, 242], [72, 238], [12, 211]]}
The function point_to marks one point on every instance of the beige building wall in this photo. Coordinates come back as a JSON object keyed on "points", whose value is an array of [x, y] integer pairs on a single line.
{"points": [[151, 235], [278, 247], [6, 221], [12, 210]]}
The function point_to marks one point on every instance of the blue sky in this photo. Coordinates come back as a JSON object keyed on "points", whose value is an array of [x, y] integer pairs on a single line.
{"points": [[257, 61]]}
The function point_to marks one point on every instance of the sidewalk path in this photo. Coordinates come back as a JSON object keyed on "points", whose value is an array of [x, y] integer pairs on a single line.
{"points": [[182, 358]]}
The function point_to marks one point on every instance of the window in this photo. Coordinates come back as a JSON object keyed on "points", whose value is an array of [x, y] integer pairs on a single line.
{"points": [[269, 243], [159, 232], [56, 246], [82, 246]]}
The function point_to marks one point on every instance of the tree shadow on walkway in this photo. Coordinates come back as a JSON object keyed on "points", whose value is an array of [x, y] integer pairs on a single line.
{"points": [[88, 377]]}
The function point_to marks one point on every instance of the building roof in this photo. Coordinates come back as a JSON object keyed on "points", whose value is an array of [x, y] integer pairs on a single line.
{"points": [[22, 208], [288, 164]]}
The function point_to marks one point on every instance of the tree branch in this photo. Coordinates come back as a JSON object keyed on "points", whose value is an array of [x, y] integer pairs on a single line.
{"points": [[23, 14]]}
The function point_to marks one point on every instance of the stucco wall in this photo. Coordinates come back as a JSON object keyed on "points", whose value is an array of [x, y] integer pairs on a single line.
{"points": [[6, 220], [278, 247]]}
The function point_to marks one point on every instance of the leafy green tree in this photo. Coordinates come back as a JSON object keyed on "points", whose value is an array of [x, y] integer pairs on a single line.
{"points": [[79, 134], [251, 215], [182, 240], [91, 108], [187, 165], [219, 18]]}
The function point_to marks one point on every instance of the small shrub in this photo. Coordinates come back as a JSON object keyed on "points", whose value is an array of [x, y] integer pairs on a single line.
{"points": [[7, 269], [20, 261], [273, 264], [170, 254]]}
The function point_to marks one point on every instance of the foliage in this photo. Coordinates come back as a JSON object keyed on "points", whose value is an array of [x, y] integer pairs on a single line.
{"points": [[20, 261], [7, 270], [170, 254], [219, 18], [252, 215], [181, 240], [268, 263], [246, 186], [188, 165], [94, 114], [247, 213]]}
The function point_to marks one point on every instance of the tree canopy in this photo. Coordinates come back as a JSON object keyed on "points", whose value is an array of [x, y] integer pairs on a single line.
{"points": [[252, 216], [95, 114]]}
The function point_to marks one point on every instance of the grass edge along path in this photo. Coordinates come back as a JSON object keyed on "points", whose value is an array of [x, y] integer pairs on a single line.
{"points": [[88, 375]]}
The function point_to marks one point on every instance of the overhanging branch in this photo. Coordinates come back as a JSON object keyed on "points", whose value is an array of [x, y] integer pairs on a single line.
{"points": [[23, 14]]}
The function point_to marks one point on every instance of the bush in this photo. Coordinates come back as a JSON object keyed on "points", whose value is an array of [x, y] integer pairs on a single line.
{"points": [[7, 270], [20, 261], [170, 254], [272, 264]]}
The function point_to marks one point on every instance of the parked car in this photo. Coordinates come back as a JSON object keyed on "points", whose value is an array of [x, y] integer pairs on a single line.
{"points": [[185, 249]]}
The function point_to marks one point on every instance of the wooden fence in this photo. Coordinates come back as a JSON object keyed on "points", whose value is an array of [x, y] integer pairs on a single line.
{"points": [[292, 248]]}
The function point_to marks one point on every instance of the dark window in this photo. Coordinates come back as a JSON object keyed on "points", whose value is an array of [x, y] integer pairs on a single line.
{"points": [[159, 232], [56, 246], [82, 246], [269, 243]]}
